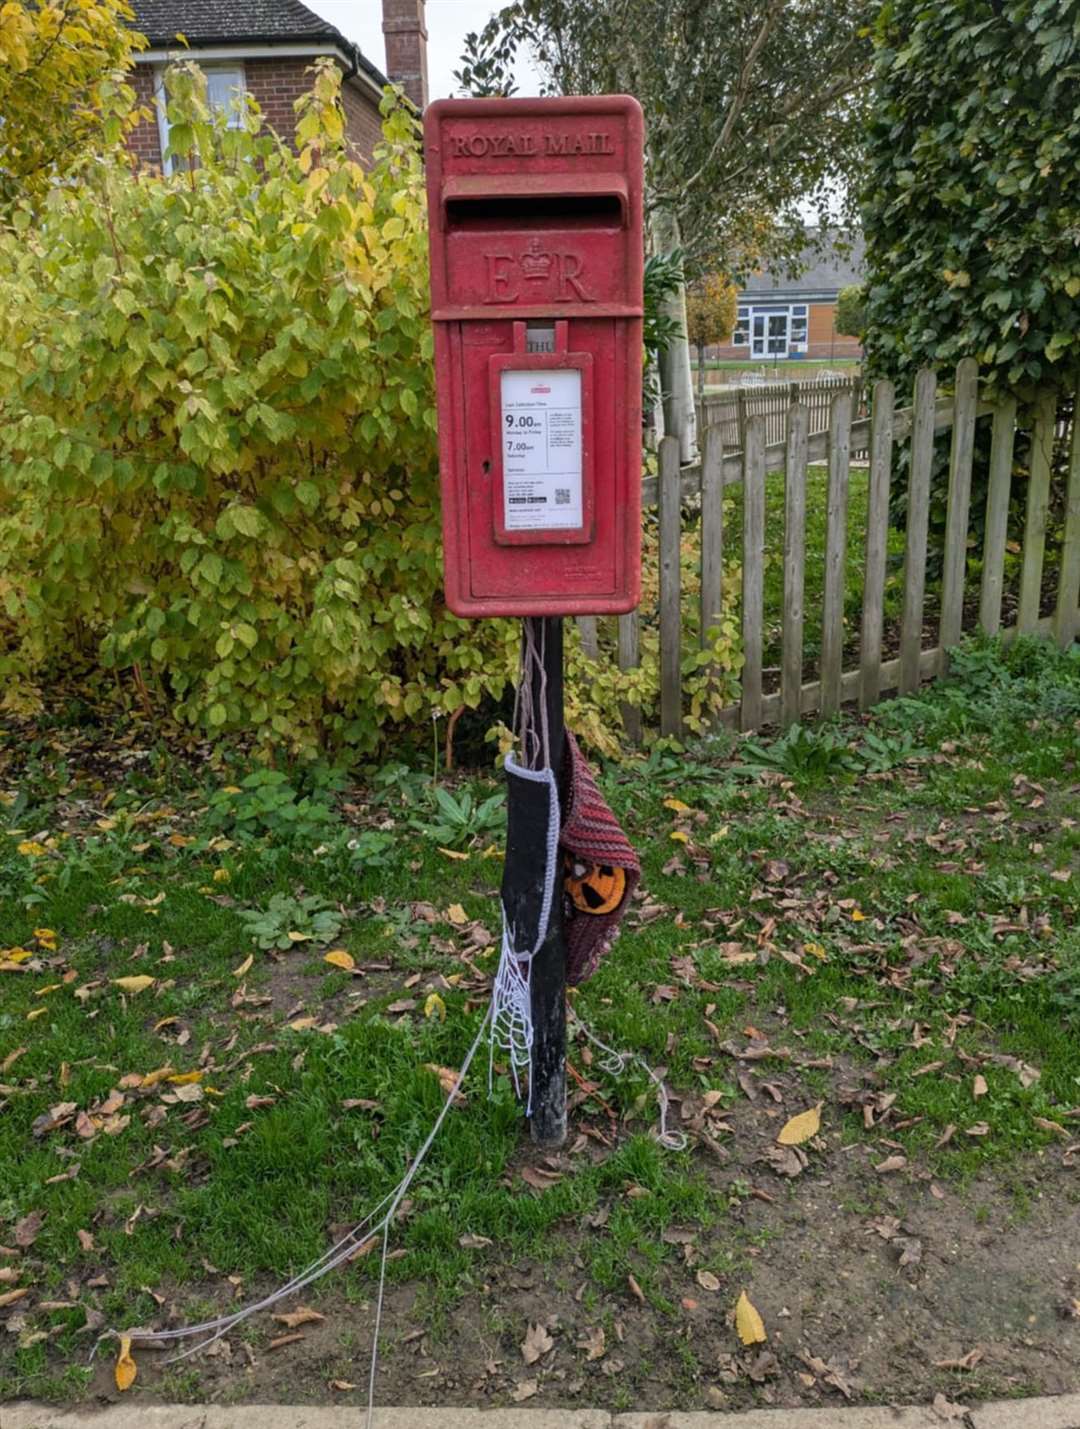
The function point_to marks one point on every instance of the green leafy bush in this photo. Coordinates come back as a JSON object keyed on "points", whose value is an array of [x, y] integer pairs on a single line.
{"points": [[972, 202], [218, 474]]}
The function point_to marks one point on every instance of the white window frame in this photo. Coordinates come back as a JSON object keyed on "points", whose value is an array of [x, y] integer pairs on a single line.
{"points": [[236, 115], [742, 325]]}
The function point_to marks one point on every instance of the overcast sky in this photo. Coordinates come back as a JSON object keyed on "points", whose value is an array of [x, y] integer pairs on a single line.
{"points": [[448, 22]]}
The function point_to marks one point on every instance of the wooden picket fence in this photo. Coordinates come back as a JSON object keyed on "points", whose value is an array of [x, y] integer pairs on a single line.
{"points": [[921, 655], [773, 401]]}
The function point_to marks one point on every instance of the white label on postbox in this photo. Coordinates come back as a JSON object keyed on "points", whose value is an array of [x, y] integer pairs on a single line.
{"points": [[541, 437]]}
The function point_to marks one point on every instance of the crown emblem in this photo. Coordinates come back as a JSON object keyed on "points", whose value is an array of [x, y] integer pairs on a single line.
{"points": [[535, 263]]}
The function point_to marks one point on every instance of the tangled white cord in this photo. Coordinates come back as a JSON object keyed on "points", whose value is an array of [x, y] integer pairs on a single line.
{"points": [[617, 1063]]}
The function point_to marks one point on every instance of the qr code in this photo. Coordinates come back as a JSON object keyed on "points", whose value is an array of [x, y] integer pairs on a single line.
{"points": [[562, 496]]}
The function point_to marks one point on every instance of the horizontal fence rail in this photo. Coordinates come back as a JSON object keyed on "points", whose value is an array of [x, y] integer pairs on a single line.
{"points": [[852, 662]]}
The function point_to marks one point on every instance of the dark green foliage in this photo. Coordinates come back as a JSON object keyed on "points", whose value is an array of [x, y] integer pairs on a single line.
{"points": [[850, 317], [972, 208]]}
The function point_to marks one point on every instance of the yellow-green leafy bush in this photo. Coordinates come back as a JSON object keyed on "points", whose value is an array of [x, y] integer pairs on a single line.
{"points": [[217, 436]]}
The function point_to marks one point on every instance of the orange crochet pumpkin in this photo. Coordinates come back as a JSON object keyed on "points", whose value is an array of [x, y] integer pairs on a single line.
{"points": [[595, 887]]}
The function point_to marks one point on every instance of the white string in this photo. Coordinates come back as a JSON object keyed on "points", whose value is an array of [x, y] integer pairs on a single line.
{"points": [[617, 1063]]}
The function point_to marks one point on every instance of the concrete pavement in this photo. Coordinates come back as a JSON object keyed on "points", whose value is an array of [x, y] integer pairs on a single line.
{"points": [[1060, 1412]]}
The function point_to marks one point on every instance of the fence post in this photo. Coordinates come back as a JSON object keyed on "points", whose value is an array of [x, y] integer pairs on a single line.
{"points": [[712, 531], [740, 417], [791, 659], [670, 501], [753, 570], [590, 639], [877, 537], [832, 615], [1065, 616], [918, 528], [997, 514], [961, 455], [629, 659], [1038, 500]]}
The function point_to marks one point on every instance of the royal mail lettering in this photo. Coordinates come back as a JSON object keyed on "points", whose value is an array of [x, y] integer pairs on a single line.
{"points": [[508, 145]]}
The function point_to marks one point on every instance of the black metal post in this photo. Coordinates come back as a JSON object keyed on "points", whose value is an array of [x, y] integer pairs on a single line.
{"points": [[548, 1071]]}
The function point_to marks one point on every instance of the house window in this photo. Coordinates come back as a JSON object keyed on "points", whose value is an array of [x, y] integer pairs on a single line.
{"points": [[741, 336], [225, 88], [798, 329]]}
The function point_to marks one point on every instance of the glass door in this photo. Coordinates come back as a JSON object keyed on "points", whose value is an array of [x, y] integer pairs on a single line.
{"points": [[757, 336], [779, 324]]}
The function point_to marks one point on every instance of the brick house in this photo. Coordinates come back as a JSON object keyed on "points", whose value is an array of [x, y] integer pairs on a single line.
{"points": [[264, 48], [785, 318]]}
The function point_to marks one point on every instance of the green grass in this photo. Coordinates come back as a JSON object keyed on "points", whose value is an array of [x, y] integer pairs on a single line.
{"points": [[915, 853]]}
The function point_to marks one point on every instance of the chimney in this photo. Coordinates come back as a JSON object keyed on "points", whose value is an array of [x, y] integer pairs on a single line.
{"points": [[406, 48]]}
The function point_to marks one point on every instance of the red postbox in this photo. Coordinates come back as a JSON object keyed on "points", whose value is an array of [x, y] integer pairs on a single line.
{"points": [[535, 211]]}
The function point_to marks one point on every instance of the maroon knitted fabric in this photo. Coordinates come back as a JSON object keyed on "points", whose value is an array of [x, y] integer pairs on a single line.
{"points": [[591, 834]]}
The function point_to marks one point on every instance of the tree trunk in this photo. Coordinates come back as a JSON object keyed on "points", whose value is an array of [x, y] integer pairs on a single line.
{"points": [[680, 417]]}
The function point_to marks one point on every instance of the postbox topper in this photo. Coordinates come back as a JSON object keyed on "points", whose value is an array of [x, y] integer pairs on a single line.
{"points": [[535, 211]]}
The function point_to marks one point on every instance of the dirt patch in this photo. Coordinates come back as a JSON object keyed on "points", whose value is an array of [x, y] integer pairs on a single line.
{"points": [[870, 1282]]}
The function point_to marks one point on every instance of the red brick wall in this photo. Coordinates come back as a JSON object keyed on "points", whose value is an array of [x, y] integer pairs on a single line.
{"points": [[405, 34], [144, 141], [275, 85]]}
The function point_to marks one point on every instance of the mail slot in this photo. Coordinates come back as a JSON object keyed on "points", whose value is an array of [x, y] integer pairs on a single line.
{"points": [[535, 213]]}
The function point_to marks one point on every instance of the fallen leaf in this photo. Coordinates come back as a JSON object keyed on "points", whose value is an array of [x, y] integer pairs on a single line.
{"points": [[707, 1280], [1045, 1124], [966, 1362], [456, 914], [455, 854], [536, 1344], [748, 1323], [827, 1374], [126, 1369], [528, 1387], [28, 1229], [435, 1007], [635, 1289], [677, 806], [134, 984], [979, 1087], [801, 1128], [594, 1343], [86, 1240], [786, 1160], [474, 1242], [284, 1340], [447, 1080], [293, 1319], [245, 967], [339, 958], [946, 1411], [891, 1163], [980, 1128], [342, 1385], [183, 1079], [9, 1297]]}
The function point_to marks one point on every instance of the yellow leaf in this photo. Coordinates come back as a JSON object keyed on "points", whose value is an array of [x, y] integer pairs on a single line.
{"points": [[801, 1128], [17, 955], [166, 1022], [30, 848], [222, 875], [303, 1024], [126, 1369], [677, 806], [152, 1078], [435, 1007], [105, 825], [245, 966], [857, 916], [37, 1012], [44, 991], [679, 836], [298, 937], [183, 1079], [339, 958], [48, 934], [457, 915], [134, 984], [748, 1323], [446, 853], [231, 789], [815, 950], [180, 840]]}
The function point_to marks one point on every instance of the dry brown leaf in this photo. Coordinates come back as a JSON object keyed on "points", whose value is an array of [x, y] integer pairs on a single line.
{"points": [[786, 1160], [293, 1319], [540, 1179], [966, 1362], [528, 1387], [707, 1280], [342, 1384], [126, 1369], [456, 914], [283, 1340], [9, 1297], [946, 1411], [979, 1128], [473, 1242], [27, 1230], [749, 1325], [801, 1128], [536, 1344], [86, 1240], [635, 1289], [979, 1087], [1044, 1124], [891, 1163], [594, 1343]]}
